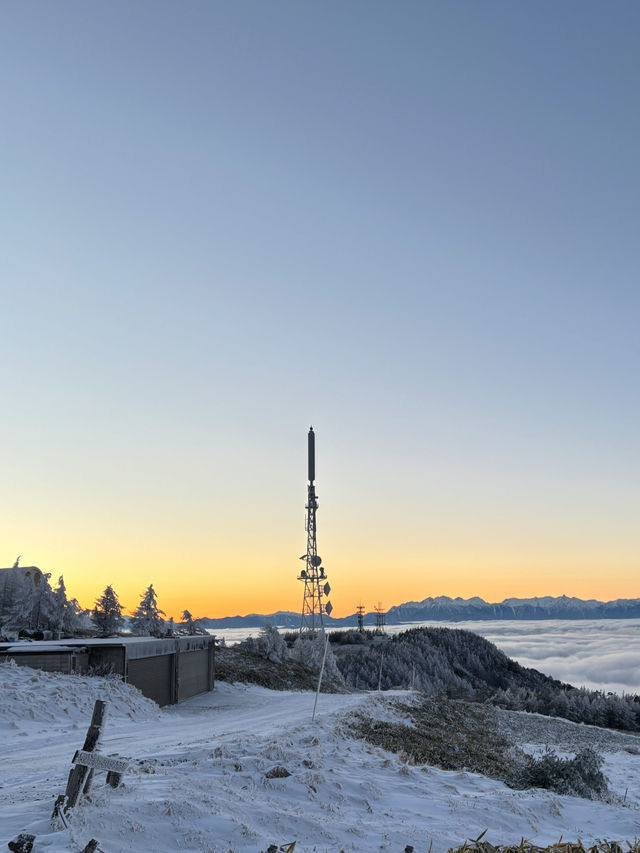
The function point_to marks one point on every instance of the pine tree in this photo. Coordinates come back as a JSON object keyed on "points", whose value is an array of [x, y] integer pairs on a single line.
{"points": [[107, 613], [191, 626], [75, 619], [44, 604], [187, 621], [146, 620], [59, 605]]}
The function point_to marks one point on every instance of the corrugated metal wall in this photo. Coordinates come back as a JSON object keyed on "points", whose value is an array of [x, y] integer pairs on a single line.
{"points": [[193, 673], [153, 677], [60, 662]]}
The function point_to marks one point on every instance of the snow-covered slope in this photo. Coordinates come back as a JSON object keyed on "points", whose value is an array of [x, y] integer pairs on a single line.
{"points": [[198, 780], [31, 694]]}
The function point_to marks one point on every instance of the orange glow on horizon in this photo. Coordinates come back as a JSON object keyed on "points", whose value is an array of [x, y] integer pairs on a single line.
{"points": [[203, 562], [240, 589]]}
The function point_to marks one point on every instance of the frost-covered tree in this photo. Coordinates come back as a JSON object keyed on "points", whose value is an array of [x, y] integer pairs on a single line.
{"points": [[308, 650], [44, 616], [58, 606], [146, 620], [29, 604], [75, 619], [20, 607], [270, 644], [190, 625], [65, 616], [107, 613], [187, 621]]}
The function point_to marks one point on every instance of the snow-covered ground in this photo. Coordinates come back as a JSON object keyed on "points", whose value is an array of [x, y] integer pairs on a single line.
{"points": [[197, 779]]}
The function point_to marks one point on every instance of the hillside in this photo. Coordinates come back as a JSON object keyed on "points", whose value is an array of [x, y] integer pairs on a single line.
{"points": [[434, 661], [236, 664], [454, 662], [244, 767]]}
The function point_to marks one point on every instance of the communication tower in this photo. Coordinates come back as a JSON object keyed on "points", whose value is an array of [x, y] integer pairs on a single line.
{"points": [[360, 612], [315, 581], [380, 618]]}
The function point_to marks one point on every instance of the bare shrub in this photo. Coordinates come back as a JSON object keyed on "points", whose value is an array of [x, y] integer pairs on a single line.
{"points": [[580, 776], [455, 735]]}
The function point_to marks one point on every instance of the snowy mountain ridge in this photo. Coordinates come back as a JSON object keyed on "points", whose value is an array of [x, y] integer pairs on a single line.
{"points": [[444, 608]]}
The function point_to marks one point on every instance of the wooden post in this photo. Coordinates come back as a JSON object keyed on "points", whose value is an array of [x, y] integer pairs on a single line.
{"points": [[85, 762], [80, 777], [113, 779]]}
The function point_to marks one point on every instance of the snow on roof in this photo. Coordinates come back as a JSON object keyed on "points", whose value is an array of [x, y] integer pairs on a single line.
{"points": [[25, 648], [136, 647]]}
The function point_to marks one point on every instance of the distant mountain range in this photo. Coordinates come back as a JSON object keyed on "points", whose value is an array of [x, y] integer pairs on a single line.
{"points": [[448, 609]]}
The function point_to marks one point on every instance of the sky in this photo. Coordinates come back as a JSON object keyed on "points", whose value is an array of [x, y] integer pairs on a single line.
{"points": [[413, 225]]}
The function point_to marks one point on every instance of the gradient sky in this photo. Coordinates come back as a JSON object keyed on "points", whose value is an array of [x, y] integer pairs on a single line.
{"points": [[413, 225]]}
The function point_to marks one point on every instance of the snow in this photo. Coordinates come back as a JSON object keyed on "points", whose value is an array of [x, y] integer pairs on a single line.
{"points": [[46, 645], [32, 694], [197, 776], [43, 646]]}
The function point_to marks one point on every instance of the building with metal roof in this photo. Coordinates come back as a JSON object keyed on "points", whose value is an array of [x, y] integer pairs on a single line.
{"points": [[167, 670]]}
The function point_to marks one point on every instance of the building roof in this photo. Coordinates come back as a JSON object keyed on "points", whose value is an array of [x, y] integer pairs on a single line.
{"points": [[135, 647]]}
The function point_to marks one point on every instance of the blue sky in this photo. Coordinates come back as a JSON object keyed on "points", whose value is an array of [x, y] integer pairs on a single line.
{"points": [[413, 225]]}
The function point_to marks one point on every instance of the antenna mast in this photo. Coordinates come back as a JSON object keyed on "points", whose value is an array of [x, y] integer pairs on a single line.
{"points": [[315, 580]]}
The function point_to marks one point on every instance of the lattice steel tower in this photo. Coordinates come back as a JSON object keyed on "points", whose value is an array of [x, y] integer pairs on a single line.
{"points": [[315, 581]]}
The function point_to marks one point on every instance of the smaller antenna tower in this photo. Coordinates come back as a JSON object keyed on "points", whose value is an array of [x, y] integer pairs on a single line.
{"points": [[380, 619], [360, 612]]}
